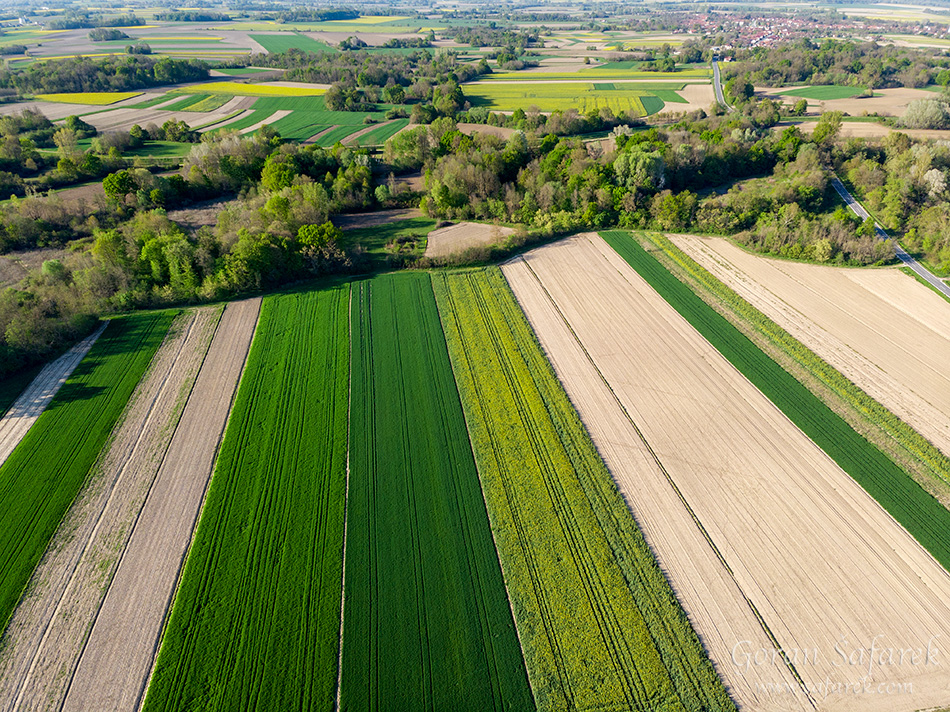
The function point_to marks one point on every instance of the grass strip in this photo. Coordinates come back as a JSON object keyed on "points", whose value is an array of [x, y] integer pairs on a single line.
{"points": [[43, 475], [598, 622], [256, 620], [893, 488], [427, 623]]}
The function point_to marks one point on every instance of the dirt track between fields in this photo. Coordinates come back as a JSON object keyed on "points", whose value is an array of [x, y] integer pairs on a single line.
{"points": [[882, 329], [699, 452], [118, 656], [20, 417], [49, 627]]}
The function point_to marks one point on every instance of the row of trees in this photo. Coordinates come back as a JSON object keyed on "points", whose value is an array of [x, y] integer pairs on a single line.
{"points": [[863, 64], [118, 73]]}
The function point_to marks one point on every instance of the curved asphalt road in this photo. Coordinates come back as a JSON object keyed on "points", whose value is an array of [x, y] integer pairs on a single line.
{"points": [[902, 255]]}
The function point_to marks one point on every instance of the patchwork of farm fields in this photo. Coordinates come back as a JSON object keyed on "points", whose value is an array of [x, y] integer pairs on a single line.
{"points": [[883, 330], [565, 483], [300, 118]]}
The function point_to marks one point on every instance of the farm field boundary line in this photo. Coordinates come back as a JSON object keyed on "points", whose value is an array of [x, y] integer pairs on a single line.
{"points": [[48, 628], [24, 411], [562, 529], [42, 476], [426, 604], [901, 435], [282, 462], [122, 643], [895, 491]]}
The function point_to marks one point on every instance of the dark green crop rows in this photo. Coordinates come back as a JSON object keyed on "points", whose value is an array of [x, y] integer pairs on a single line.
{"points": [[256, 621], [427, 625], [45, 472], [912, 506]]}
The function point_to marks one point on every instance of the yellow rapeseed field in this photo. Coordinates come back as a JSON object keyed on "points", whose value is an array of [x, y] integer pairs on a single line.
{"points": [[241, 89], [96, 98]]}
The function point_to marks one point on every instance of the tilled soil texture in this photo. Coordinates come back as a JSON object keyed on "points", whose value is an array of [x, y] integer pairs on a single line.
{"points": [[47, 632], [767, 542], [113, 670], [33, 401], [889, 334]]}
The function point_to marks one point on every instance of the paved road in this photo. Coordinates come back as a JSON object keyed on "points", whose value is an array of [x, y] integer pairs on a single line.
{"points": [[902, 255], [717, 86]]}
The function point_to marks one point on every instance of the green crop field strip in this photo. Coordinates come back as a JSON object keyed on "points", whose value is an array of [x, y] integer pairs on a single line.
{"points": [[912, 506], [823, 93], [256, 621], [241, 71], [427, 624], [45, 472], [291, 40], [381, 134], [338, 133], [599, 624], [553, 96]]}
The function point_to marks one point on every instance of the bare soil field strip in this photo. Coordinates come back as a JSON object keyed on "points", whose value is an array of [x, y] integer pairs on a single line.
{"points": [[889, 334], [28, 407], [460, 237], [825, 567], [863, 129], [699, 96], [118, 656], [48, 628]]}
